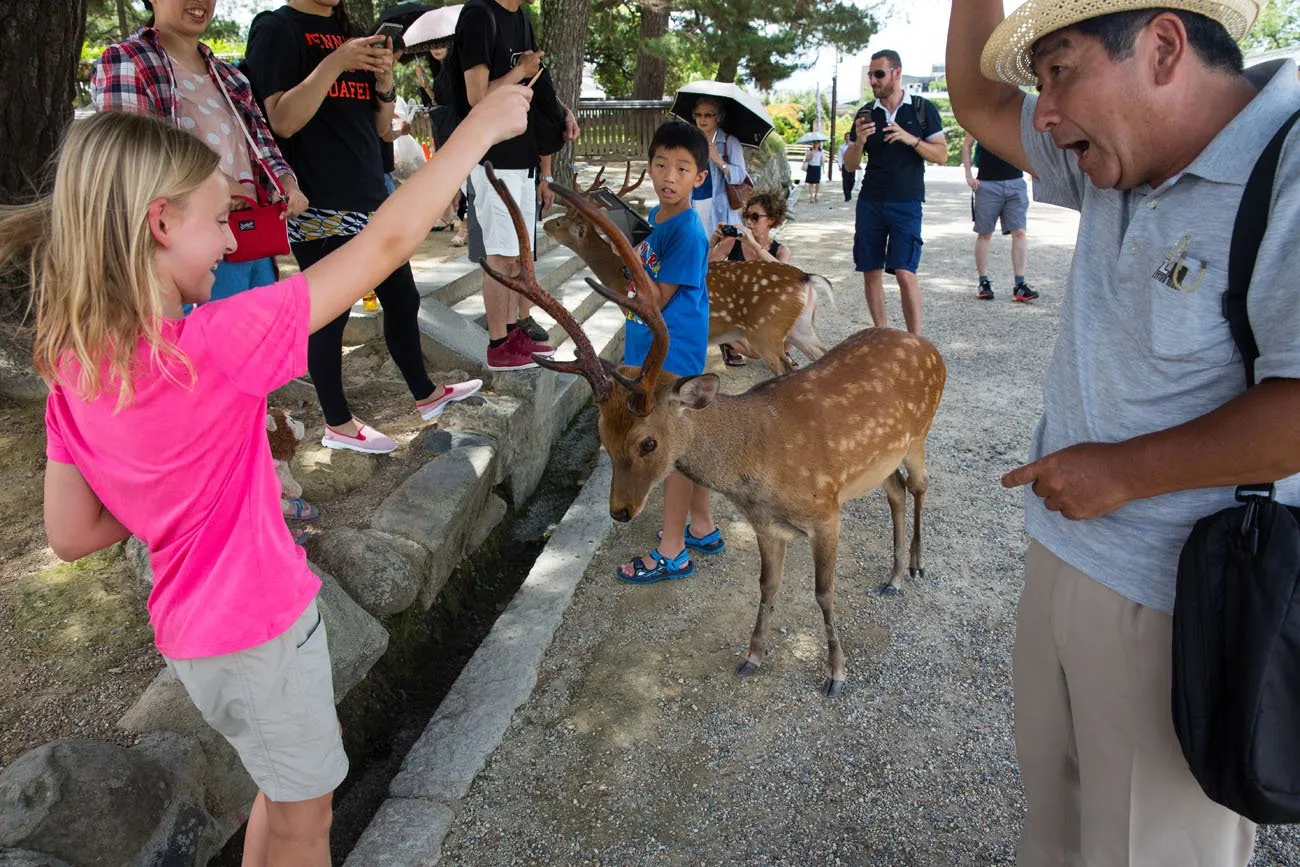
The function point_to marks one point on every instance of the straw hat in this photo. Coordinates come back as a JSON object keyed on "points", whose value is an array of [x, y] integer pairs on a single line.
{"points": [[1006, 55]]}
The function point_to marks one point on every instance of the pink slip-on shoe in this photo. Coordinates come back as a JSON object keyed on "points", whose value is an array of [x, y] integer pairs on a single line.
{"points": [[368, 441], [431, 409]]}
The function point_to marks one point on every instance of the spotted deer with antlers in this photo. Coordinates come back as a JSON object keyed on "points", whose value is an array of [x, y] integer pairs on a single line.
{"points": [[788, 452], [766, 304]]}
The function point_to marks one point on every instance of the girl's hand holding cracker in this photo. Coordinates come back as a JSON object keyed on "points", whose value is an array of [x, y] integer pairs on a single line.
{"points": [[503, 113]]}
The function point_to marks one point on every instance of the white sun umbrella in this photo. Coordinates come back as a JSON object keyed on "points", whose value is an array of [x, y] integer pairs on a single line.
{"points": [[810, 137], [432, 26], [746, 118]]}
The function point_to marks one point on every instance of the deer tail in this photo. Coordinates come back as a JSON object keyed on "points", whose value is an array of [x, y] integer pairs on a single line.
{"points": [[817, 284]]}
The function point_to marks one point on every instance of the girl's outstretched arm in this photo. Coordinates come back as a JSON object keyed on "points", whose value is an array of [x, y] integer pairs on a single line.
{"points": [[340, 279], [76, 522]]}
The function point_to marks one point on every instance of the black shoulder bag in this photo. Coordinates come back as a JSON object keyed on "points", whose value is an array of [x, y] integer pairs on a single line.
{"points": [[1236, 649]]}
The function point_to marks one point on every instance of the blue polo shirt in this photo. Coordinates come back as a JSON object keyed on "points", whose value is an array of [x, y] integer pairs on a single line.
{"points": [[677, 252], [896, 172]]}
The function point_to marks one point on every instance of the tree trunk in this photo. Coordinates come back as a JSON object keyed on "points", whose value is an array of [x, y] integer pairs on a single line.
{"points": [[651, 70], [361, 13], [39, 43], [564, 39], [121, 19], [728, 66]]}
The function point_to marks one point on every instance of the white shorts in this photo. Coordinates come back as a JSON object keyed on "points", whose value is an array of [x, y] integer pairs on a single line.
{"points": [[274, 703], [495, 235]]}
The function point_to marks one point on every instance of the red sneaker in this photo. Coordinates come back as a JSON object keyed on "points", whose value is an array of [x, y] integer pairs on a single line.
{"points": [[511, 355], [529, 346]]}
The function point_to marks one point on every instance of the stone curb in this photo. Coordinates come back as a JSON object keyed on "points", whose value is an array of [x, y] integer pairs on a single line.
{"points": [[470, 723]]}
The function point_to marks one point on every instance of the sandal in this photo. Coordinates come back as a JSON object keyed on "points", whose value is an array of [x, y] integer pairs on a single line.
{"points": [[441, 225], [458, 241], [710, 544], [731, 357], [663, 570], [299, 537], [299, 510]]}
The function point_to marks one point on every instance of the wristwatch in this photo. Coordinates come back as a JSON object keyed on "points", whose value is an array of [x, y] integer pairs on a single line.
{"points": [[389, 95], [548, 178]]}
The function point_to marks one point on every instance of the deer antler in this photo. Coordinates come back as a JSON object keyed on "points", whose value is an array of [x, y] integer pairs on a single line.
{"points": [[626, 177], [643, 387], [587, 363], [599, 175]]}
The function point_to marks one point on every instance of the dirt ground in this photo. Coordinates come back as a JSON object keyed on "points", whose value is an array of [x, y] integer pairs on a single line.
{"points": [[640, 745]]}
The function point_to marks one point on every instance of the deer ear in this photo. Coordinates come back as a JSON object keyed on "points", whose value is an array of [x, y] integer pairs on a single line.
{"points": [[696, 392], [579, 228]]}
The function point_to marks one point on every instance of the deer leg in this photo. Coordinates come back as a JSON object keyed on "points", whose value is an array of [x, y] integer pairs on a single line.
{"points": [[771, 558], [918, 481], [825, 546], [896, 491], [773, 353]]}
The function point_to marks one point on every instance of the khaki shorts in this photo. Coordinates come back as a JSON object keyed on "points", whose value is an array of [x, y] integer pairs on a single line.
{"points": [[274, 703]]}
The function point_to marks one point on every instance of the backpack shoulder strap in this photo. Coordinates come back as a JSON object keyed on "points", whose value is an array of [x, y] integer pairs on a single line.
{"points": [[1247, 234]]}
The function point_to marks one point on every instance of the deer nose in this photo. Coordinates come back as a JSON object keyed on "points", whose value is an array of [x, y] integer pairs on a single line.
{"points": [[622, 515]]}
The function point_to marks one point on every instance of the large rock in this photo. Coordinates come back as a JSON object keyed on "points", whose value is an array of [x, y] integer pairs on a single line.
{"points": [[450, 340], [356, 640], [164, 711], [18, 378], [91, 803], [27, 858], [382, 573], [768, 166], [328, 473], [437, 506]]}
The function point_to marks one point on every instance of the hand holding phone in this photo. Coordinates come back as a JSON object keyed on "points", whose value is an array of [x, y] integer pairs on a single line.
{"points": [[387, 30]]}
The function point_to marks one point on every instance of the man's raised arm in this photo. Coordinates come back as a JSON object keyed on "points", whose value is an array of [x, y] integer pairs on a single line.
{"points": [[988, 110]]}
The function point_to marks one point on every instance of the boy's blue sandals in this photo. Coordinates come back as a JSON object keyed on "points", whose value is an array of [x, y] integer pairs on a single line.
{"points": [[664, 569], [709, 544]]}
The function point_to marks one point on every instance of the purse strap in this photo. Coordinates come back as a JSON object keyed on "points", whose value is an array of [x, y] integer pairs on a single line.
{"points": [[239, 119], [1247, 235]]}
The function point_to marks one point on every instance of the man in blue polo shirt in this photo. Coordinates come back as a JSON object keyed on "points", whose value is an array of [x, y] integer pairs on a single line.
{"points": [[899, 135]]}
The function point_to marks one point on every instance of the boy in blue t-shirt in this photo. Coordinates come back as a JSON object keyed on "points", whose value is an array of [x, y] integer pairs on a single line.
{"points": [[676, 256]]}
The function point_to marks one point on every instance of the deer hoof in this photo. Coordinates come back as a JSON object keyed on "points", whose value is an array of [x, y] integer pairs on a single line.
{"points": [[889, 590], [833, 688], [916, 573], [746, 668]]}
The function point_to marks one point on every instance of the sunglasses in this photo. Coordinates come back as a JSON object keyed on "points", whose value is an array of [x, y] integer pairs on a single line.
{"points": [[881, 73], [752, 217]]}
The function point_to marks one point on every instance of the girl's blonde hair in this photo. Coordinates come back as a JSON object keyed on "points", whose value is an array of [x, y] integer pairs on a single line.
{"points": [[89, 251]]}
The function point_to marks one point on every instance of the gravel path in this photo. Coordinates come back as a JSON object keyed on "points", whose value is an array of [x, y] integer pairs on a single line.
{"points": [[641, 746]]}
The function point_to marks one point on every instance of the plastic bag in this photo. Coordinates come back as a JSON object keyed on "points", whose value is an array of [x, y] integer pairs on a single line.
{"points": [[408, 156]]}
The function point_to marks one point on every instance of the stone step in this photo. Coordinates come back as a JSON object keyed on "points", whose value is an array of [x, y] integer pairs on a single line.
{"points": [[553, 271], [453, 281]]}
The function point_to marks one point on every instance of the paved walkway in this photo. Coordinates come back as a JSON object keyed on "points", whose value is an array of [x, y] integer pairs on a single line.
{"points": [[639, 745]]}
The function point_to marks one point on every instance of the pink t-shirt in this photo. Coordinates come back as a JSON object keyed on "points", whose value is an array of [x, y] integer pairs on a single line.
{"points": [[187, 468]]}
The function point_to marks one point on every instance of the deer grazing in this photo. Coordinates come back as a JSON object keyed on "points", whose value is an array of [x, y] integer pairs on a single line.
{"points": [[764, 303], [788, 453]]}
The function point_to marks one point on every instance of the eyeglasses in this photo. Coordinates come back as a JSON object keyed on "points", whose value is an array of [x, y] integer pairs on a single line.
{"points": [[705, 114], [752, 217], [882, 73]]}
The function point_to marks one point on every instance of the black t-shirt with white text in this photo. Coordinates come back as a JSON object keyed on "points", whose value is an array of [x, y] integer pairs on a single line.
{"points": [[894, 171], [475, 46], [336, 155]]}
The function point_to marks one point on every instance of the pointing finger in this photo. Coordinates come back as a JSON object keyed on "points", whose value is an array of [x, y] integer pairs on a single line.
{"points": [[1021, 475]]}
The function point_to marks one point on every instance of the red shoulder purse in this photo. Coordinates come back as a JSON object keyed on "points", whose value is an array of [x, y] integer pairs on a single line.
{"points": [[260, 229]]}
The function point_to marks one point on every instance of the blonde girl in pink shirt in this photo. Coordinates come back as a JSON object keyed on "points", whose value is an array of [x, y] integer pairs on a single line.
{"points": [[155, 426]]}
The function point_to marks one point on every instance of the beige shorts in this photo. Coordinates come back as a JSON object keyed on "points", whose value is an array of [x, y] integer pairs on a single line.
{"points": [[274, 703], [496, 234]]}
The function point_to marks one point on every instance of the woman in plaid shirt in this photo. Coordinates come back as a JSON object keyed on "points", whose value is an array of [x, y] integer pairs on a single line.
{"points": [[165, 72]]}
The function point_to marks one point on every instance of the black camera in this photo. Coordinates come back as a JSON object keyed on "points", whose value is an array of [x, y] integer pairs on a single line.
{"points": [[729, 231]]}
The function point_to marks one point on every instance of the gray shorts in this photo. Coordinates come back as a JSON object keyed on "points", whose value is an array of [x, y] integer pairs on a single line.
{"points": [[1008, 200], [274, 703]]}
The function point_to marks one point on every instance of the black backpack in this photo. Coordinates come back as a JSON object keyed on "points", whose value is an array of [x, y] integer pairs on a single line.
{"points": [[1236, 646]]}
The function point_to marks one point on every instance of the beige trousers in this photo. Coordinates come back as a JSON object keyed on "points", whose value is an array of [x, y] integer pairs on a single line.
{"points": [[1105, 779]]}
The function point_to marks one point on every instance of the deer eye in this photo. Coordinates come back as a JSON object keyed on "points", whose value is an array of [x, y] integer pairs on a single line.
{"points": [[648, 445]]}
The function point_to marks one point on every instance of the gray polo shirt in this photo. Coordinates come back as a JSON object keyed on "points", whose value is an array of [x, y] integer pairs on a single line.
{"points": [[1143, 343]]}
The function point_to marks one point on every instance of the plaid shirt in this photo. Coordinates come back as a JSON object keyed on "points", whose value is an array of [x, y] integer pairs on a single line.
{"points": [[135, 75]]}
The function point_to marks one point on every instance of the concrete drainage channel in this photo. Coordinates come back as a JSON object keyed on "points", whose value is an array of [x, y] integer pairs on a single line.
{"points": [[397, 718]]}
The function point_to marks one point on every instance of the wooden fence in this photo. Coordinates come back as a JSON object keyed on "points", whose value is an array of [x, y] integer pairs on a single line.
{"points": [[618, 129]]}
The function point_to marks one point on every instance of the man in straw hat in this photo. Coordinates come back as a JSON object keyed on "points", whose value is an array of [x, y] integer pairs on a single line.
{"points": [[1146, 124]]}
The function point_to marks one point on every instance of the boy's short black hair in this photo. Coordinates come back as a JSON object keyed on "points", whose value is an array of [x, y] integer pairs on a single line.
{"points": [[678, 134]]}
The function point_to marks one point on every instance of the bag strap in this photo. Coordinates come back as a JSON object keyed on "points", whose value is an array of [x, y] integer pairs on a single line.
{"points": [[239, 119], [1247, 234]]}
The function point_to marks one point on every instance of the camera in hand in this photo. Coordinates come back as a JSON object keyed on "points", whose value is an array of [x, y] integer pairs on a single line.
{"points": [[730, 231]]}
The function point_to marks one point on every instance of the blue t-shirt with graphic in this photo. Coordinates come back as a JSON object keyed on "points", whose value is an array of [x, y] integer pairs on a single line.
{"points": [[676, 252]]}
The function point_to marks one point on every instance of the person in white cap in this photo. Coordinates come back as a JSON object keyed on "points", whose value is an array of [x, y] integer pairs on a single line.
{"points": [[1146, 124]]}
